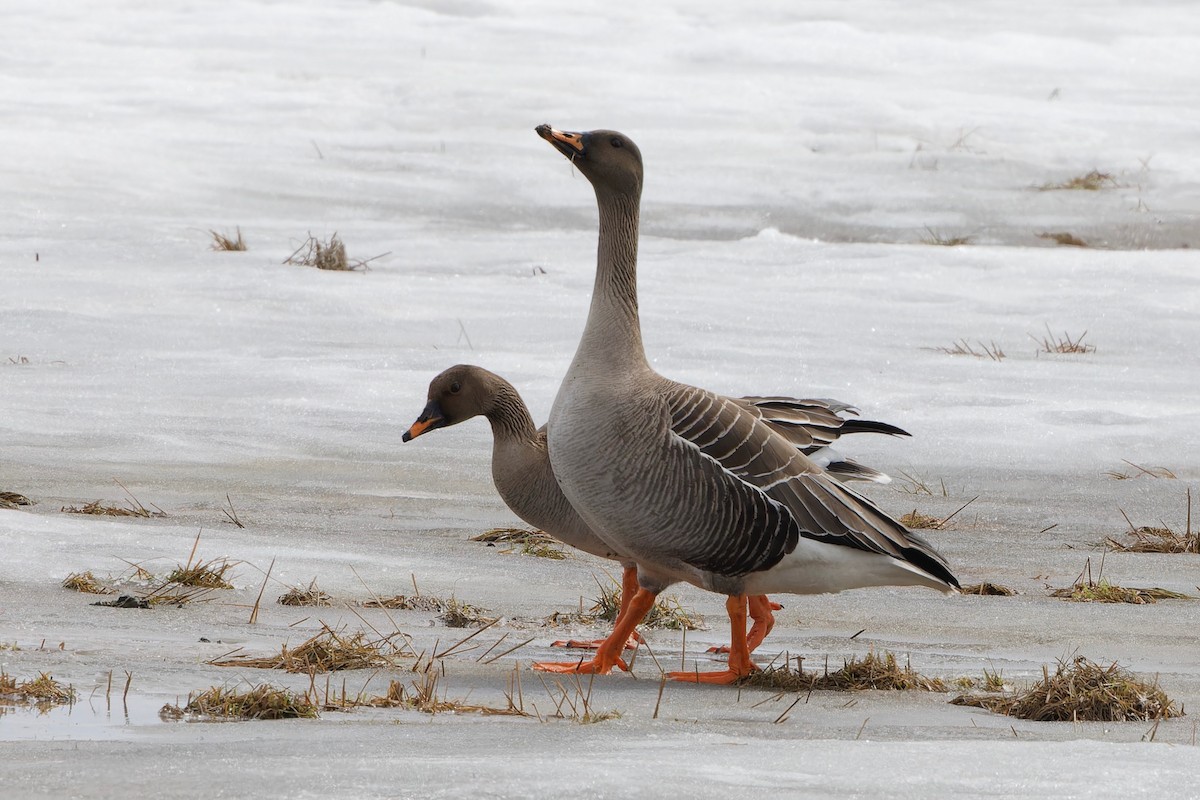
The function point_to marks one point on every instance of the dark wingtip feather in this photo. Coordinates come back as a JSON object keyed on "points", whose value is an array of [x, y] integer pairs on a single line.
{"points": [[871, 426]]}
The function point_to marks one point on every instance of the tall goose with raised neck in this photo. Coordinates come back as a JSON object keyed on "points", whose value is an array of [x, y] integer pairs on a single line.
{"points": [[686, 481], [523, 477]]}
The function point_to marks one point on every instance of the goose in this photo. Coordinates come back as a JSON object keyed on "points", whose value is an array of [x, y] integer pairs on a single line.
{"points": [[688, 483], [523, 477]]}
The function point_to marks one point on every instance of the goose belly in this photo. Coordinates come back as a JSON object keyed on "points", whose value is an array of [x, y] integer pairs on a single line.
{"points": [[815, 567]]}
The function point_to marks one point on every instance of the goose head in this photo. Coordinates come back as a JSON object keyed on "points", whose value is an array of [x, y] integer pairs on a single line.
{"points": [[608, 159], [455, 396]]}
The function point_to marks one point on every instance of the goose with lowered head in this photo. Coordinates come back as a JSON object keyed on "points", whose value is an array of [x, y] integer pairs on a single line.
{"points": [[523, 477]]}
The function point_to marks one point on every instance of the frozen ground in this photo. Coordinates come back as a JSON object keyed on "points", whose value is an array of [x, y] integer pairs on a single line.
{"points": [[796, 158]]}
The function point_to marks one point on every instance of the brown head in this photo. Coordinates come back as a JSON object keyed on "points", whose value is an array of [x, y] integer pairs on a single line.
{"points": [[608, 159], [457, 395]]}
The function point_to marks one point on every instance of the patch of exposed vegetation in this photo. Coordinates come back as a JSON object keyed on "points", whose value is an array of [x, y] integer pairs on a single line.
{"points": [[188, 582], [963, 348], [1063, 238], [915, 484], [421, 694], [13, 500], [517, 536], [935, 238], [464, 615], [132, 508], [202, 574], [1157, 540], [310, 596], [222, 703], [530, 542], [871, 671], [543, 550], [1149, 539], [417, 602], [987, 588], [1092, 181], [1082, 690], [1139, 471], [330, 255], [42, 692], [917, 520], [222, 242], [1052, 344], [1101, 591], [667, 612], [98, 508], [329, 651], [86, 582]]}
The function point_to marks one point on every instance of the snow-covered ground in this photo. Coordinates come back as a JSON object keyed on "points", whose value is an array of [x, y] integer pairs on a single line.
{"points": [[797, 157]]}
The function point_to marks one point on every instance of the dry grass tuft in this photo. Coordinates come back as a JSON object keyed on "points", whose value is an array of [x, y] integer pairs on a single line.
{"points": [[329, 255], [328, 651], [532, 543], [1082, 691], [1091, 182], [203, 574], [421, 694], [516, 536], [916, 519], [1149, 539], [14, 500], [190, 581], [1102, 591], [1157, 540], [667, 611], [991, 682], [1064, 238], [224, 243], [915, 484], [1139, 471], [132, 508], [86, 582], [857, 674], [419, 602], [986, 588], [42, 692], [543, 550], [963, 348], [257, 702], [311, 596], [935, 238], [99, 509], [1087, 590], [464, 615], [1066, 345]]}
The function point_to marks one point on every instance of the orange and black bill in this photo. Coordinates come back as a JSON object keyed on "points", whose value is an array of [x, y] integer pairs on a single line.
{"points": [[430, 419], [569, 143]]}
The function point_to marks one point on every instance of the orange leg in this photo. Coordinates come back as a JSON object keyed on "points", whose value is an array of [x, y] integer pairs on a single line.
{"points": [[761, 607], [608, 654], [629, 587], [740, 664]]}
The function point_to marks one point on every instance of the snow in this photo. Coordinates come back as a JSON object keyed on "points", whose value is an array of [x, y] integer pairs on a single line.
{"points": [[797, 155]]}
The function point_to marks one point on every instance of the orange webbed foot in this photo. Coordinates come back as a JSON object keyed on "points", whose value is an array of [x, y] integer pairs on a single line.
{"points": [[581, 667], [723, 677], [594, 644]]}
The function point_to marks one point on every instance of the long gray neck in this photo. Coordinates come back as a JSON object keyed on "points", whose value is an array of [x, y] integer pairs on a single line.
{"points": [[509, 416], [614, 333]]}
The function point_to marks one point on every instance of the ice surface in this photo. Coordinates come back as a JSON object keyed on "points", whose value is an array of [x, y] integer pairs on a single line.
{"points": [[797, 155]]}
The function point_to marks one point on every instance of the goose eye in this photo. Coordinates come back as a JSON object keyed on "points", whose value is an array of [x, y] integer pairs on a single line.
{"points": [[616, 142], [455, 387]]}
